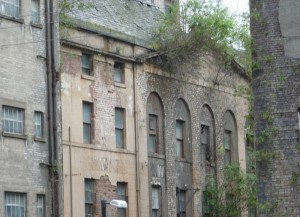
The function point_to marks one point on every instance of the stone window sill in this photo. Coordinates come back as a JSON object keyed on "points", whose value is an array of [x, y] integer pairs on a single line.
{"points": [[13, 135], [37, 25], [121, 85], [88, 77], [156, 155], [39, 139], [180, 159], [15, 19]]}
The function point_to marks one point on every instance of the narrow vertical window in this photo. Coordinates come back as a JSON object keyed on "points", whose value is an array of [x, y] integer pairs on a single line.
{"points": [[119, 127], [89, 199], [206, 152], [15, 204], [181, 203], [298, 111], [87, 122], [13, 120], [10, 8], [119, 75], [38, 124], [122, 195], [40, 205], [86, 64], [227, 146], [153, 134], [35, 7], [180, 138], [155, 194]]}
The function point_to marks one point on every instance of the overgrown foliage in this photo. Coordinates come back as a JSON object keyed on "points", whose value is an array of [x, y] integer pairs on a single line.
{"points": [[204, 26], [234, 194]]}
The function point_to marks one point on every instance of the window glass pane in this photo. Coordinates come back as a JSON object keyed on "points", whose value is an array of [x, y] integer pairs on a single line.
{"points": [[227, 157], [119, 138], [38, 124], [179, 129], [152, 122], [9, 7], [87, 110], [155, 198], [12, 120], [14, 204], [119, 118], [35, 11], [152, 144], [119, 72], [227, 139], [88, 187], [86, 133], [86, 63], [179, 148], [204, 134]]}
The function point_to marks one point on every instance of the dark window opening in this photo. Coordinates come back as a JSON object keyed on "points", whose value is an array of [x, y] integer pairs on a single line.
{"points": [[205, 142], [180, 138], [119, 75]]}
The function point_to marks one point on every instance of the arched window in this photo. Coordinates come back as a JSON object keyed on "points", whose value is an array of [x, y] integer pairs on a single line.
{"points": [[155, 122], [230, 138]]}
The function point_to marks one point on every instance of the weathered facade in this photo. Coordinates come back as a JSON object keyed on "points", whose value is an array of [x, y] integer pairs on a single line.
{"points": [[134, 131], [275, 33], [26, 148]]}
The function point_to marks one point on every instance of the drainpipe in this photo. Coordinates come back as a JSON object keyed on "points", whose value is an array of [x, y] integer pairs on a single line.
{"points": [[51, 105], [136, 142]]}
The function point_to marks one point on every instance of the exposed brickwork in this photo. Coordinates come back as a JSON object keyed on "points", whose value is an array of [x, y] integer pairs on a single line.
{"points": [[276, 93]]}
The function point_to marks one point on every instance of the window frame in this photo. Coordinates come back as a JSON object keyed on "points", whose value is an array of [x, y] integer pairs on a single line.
{"points": [[229, 148], [155, 209], [182, 140], [119, 67], [206, 147], [153, 133], [87, 69], [35, 12], [89, 188], [13, 120], [41, 124], [43, 207], [85, 123], [120, 129], [15, 205], [122, 212], [15, 13]]}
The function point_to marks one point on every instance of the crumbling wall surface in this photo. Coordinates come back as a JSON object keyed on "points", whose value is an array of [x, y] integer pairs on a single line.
{"points": [[275, 33]]}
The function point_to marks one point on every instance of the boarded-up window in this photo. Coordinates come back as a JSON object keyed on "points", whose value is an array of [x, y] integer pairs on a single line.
{"points": [[119, 127], [180, 138], [87, 123]]}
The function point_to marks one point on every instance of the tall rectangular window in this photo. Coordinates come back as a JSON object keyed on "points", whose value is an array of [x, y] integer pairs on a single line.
{"points": [[89, 198], [15, 204], [35, 10], [86, 64], [87, 122], [227, 146], [180, 138], [119, 127], [10, 8], [155, 194], [206, 152], [13, 120], [153, 134], [40, 206], [119, 75], [122, 195], [38, 124], [181, 203]]}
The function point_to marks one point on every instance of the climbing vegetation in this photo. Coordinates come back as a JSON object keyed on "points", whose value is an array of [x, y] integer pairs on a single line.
{"points": [[204, 27]]}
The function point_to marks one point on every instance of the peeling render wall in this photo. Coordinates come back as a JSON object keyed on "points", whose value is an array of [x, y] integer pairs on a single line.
{"points": [[180, 95], [275, 32]]}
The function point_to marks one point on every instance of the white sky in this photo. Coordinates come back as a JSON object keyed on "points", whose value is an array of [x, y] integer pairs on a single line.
{"points": [[237, 6]]}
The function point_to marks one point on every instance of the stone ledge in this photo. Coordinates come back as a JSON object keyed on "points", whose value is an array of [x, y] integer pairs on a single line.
{"points": [[13, 135]]}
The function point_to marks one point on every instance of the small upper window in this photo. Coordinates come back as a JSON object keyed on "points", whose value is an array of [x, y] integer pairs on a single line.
{"points": [[10, 8], [119, 75], [180, 138], [86, 64], [35, 7], [13, 120], [38, 123]]}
